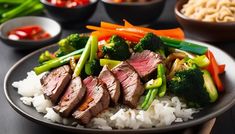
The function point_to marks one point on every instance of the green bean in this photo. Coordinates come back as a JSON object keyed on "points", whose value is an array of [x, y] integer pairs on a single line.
{"points": [[151, 98], [161, 74], [146, 99]]}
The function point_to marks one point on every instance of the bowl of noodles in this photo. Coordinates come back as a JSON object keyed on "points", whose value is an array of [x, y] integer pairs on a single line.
{"points": [[207, 20]]}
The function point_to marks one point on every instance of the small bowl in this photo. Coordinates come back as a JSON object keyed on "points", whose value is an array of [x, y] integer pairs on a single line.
{"points": [[49, 25], [77, 14], [137, 13], [205, 31]]}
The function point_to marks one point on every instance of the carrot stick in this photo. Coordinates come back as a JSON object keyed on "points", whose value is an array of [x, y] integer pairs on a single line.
{"points": [[213, 68], [101, 35], [109, 25], [173, 33], [132, 30], [128, 36], [127, 24]]}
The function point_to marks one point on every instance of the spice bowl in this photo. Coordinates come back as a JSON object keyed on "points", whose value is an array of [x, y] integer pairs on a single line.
{"points": [[50, 26]]}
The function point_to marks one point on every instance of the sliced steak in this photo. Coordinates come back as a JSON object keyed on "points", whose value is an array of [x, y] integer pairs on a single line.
{"points": [[132, 87], [112, 83], [54, 83], [72, 96], [145, 63], [96, 100]]}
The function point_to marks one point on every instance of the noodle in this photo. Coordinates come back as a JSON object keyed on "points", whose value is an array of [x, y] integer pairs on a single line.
{"points": [[210, 10]]}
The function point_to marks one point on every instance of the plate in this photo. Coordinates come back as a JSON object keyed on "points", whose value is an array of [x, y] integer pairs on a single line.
{"points": [[19, 70]]}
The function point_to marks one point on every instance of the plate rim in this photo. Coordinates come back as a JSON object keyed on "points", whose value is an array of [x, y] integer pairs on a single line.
{"points": [[189, 123]]}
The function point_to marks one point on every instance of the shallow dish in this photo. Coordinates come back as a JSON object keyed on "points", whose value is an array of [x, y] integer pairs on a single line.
{"points": [[137, 13], [49, 25], [18, 72], [205, 31], [77, 14]]}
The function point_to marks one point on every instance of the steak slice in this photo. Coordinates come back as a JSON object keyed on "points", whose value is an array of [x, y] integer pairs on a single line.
{"points": [[72, 96], [112, 83], [132, 87], [54, 83], [145, 63], [96, 100]]}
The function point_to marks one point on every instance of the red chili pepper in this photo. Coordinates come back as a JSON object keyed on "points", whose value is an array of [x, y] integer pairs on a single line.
{"points": [[221, 68], [33, 32], [214, 70]]}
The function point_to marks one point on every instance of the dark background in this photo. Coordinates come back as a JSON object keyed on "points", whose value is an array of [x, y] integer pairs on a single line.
{"points": [[13, 123]]}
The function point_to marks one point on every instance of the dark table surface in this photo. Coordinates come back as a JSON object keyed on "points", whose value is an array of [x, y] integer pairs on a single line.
{"points": [[13, 123]]}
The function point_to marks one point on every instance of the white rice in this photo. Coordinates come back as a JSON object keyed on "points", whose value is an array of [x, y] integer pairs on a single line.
{"points": [[30, 86], [41, 104], [163, 111]]}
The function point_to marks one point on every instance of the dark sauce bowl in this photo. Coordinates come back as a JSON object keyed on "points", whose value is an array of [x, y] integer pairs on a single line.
{"points": [[205, 31], [49, 25], [137, 13], [78, 14]]}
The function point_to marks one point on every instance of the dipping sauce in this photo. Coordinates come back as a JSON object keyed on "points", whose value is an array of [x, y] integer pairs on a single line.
{"points": [[33, 32], [69, 3]]}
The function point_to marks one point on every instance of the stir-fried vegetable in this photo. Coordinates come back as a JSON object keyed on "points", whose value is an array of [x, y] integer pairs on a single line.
{"points": [[210, 86], [157, 86], [189, 84], [162, 74], [193, 84], [153, 83], [110, 63], [214, 70], [201, 61], [93, 67], [117, 49], [84, 57], [56, 62], [71, 43], [149, 42], [46, 56], [184, 45], [141, 31]]}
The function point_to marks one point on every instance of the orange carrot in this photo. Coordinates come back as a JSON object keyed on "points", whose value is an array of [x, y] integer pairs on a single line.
{"points": [[213, 68], [173, 33], [102, 35], [128, 36], [109, 25], [127, 24]]}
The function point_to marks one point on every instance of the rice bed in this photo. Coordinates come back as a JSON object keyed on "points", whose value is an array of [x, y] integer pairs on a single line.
{"points": [[162, 112]]}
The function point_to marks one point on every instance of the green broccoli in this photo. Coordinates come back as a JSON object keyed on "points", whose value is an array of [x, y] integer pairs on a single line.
{"points": [[117, 49], [71, 43], [189, 84], [46, 56], [194, 85], [149, 42], [94, 68]]}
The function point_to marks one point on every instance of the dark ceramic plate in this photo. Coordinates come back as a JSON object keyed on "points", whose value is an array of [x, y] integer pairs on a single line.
{"points": [[18, 72]]}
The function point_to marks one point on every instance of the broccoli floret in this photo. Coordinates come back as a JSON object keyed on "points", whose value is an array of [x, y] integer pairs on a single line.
{"points": [[117, 49], [149, 42], [71, 43], [46, 56], [95, 67], [189, 84]]}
